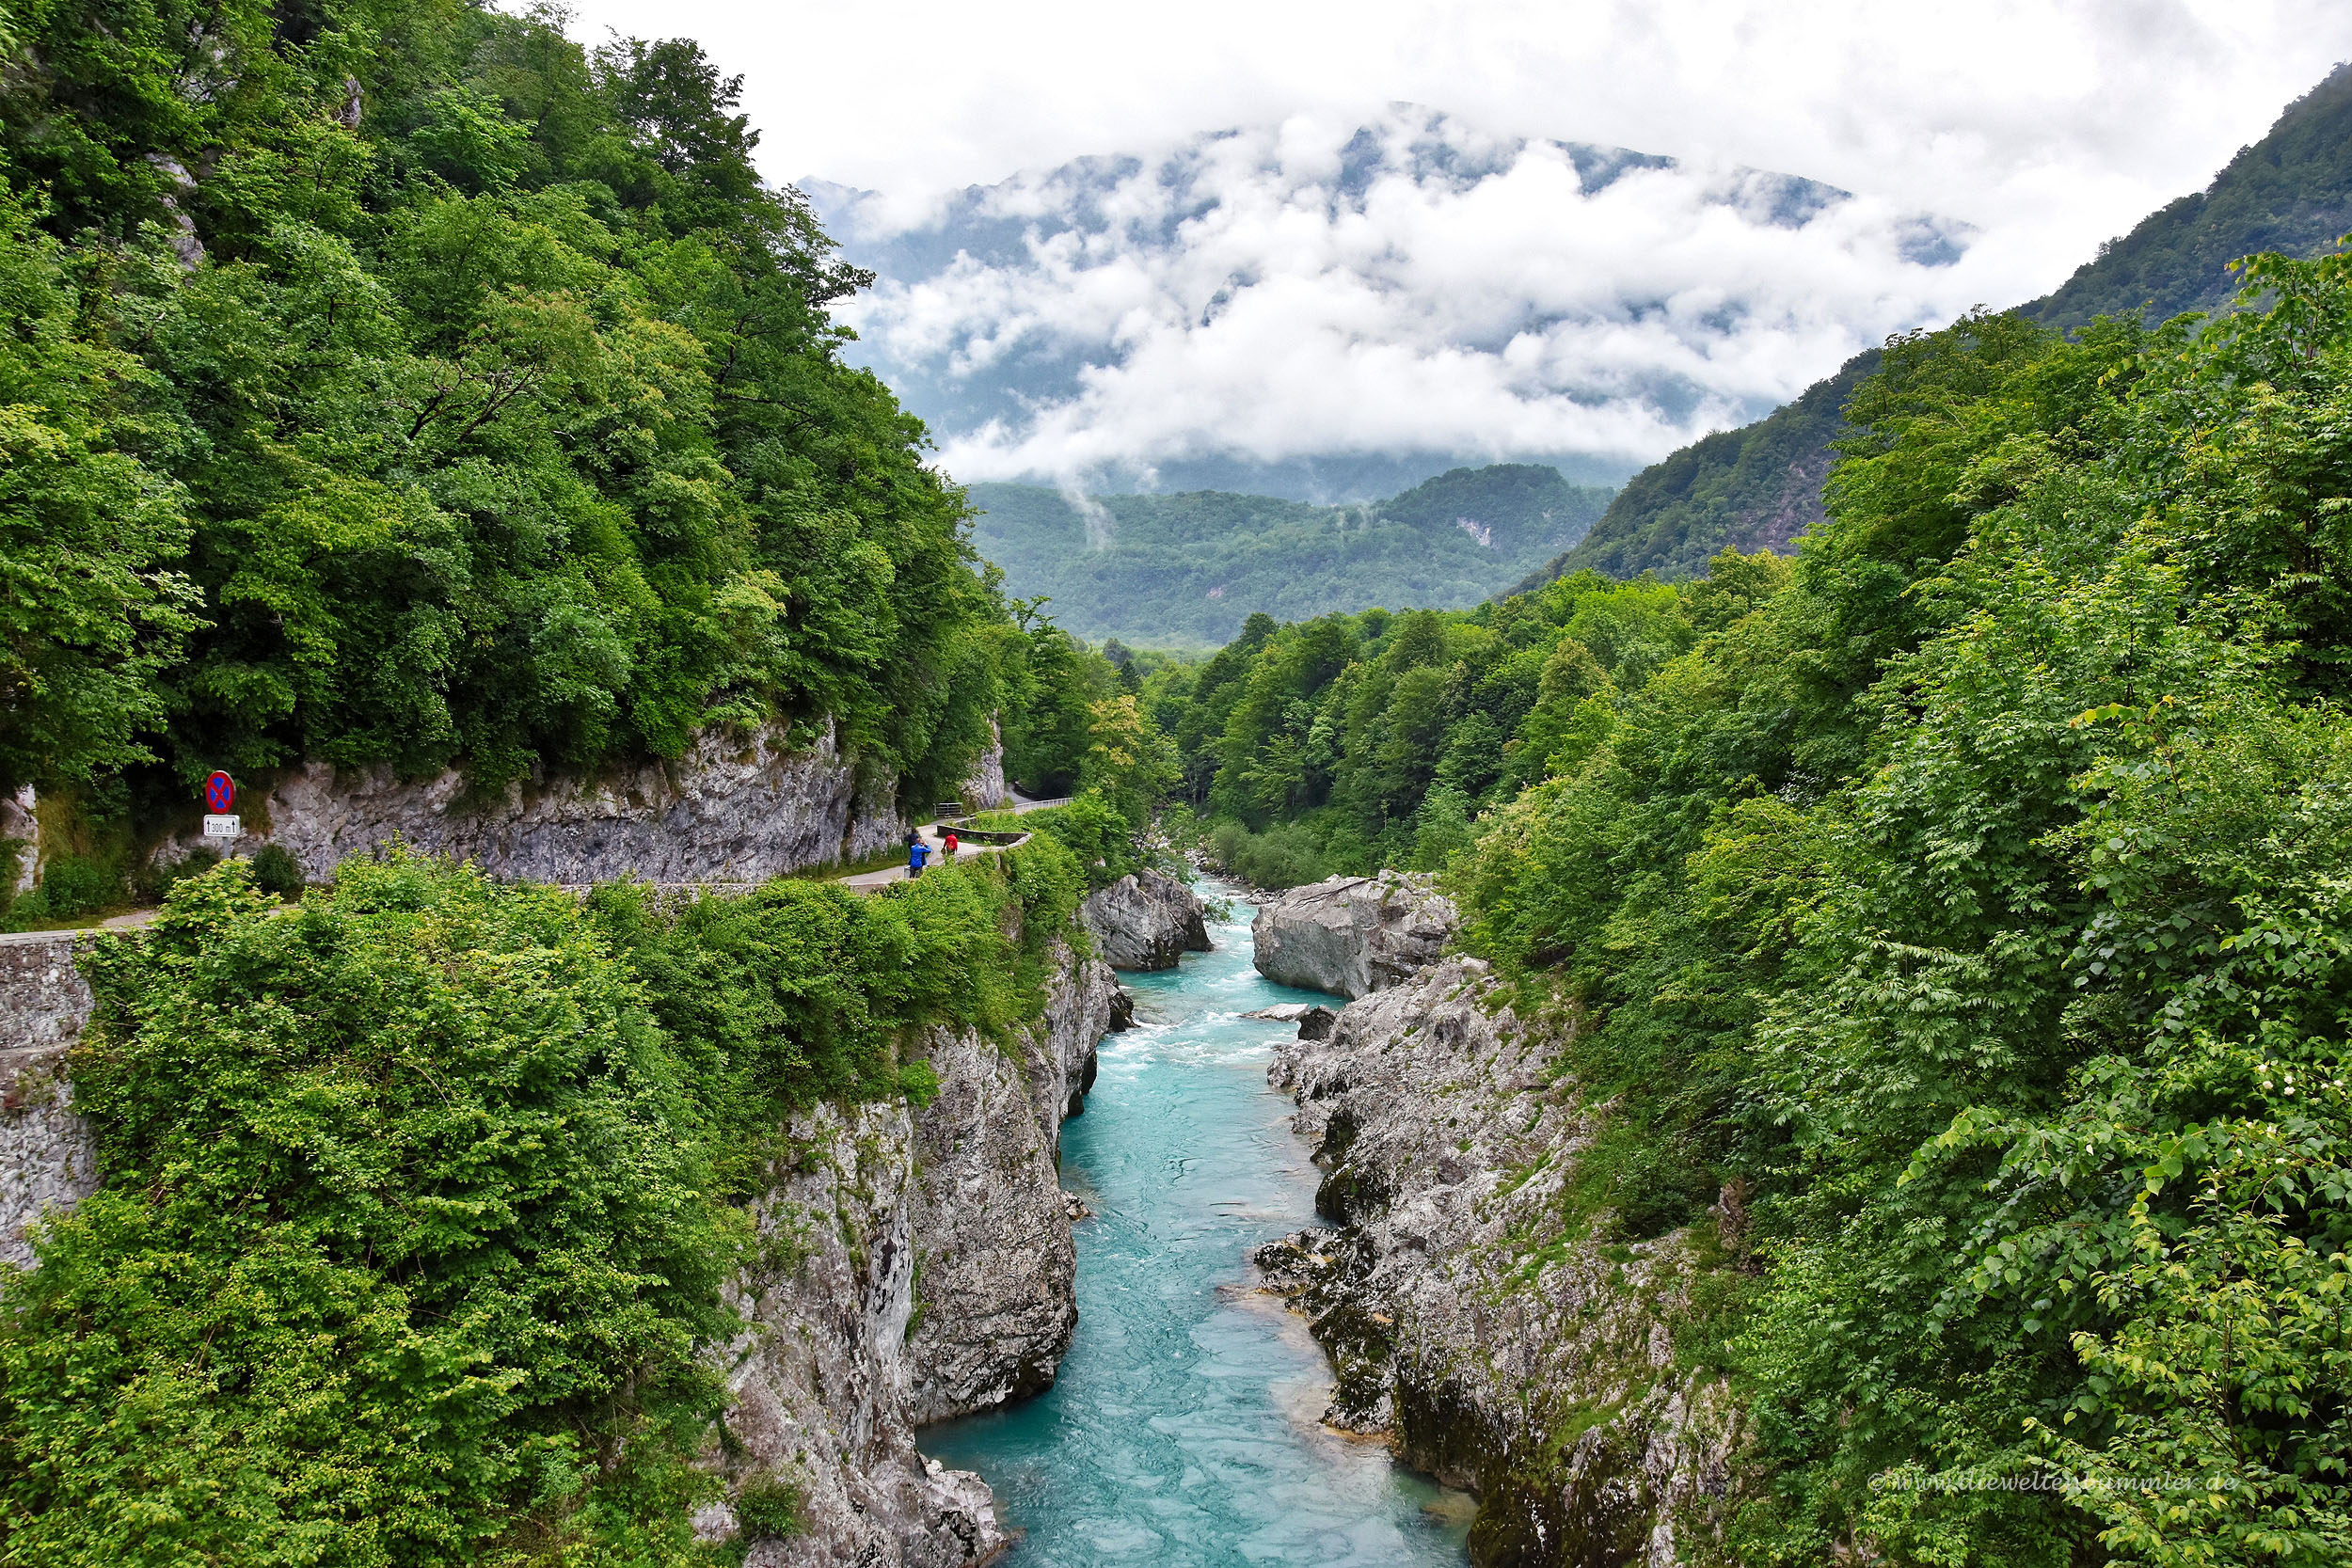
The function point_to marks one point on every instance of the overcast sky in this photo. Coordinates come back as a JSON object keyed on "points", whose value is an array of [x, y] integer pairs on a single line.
{"points": [[2046, 125]]}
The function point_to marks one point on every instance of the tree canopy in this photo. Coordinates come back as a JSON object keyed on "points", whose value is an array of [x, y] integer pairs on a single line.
{"points": [[410, 385]]}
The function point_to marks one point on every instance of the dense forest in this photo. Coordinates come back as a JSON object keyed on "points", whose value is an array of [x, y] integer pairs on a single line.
{"points": [[408, 385], [1187, 570], [1752, 487], [1964, 897]]}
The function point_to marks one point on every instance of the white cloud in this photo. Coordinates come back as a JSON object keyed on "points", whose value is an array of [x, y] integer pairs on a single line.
{"points": [[1500, 312], [1240, 297]]}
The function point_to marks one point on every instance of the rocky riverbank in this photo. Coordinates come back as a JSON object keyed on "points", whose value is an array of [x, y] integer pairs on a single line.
{"points": [[1502, 1342], [1353, 935], [914, 1263]]}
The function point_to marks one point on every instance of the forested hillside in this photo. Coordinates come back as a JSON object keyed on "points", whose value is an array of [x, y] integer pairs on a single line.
{"points": [[1949, 923], [2291, 192], [408, 385], [1754, 486], [1187, 570]]}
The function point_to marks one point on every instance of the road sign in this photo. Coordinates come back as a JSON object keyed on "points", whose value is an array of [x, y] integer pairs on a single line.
{"points": [[223, 827], [220, 793]]}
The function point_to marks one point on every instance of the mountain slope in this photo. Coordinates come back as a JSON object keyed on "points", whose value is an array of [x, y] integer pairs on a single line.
{"points": [[2292, 191], [1188, 569], [1761, 484], [1753, 488]]}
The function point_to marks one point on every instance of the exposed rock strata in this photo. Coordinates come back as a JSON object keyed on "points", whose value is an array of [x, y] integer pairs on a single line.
{"points": [[1501, 1347], [1353, 935], [48, 1156], [1145, 921], [995, 1270], [733, 809]]}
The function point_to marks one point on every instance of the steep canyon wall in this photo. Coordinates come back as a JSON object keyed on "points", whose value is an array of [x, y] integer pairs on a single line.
{"points": [[1503, 1339]]}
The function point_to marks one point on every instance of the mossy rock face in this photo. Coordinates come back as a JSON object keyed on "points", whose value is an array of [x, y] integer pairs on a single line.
{"points": [[1590, 1507], [1361, 1344], [1445, 1433], [1349, 1195]]}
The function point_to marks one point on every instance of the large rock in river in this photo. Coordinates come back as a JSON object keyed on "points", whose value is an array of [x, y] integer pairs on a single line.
{"points": [[1145, 921], [1354, 935]]}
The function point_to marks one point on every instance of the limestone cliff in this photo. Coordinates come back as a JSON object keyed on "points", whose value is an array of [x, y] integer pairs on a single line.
{"points": [[915, 1264], [1353, 935], [1502, 1344], [48, 1159], [995, 1268], [733, 809], [1145, 921]]}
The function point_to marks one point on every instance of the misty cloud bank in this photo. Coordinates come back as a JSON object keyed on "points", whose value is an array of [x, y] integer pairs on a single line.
{"points": [[1371, 304]]}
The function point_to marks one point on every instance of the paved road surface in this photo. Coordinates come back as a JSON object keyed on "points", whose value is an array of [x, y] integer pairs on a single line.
{"points": [[867, 881]]}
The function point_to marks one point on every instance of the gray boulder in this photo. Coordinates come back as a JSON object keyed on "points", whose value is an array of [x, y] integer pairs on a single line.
{"points": [[1354, 935], [1145, 921]]}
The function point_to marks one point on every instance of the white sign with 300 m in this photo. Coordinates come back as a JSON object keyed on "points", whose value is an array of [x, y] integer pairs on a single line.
{"points": [[223, 827]]}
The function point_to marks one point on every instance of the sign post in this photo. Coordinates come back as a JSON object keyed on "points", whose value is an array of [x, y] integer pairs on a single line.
{"points": [[220, 793]]}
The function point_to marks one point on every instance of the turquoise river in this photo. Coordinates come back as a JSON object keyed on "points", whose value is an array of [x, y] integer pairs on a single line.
{"points": [[1183, 1427]]}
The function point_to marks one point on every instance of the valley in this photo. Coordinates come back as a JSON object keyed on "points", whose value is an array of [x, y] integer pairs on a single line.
{"points": [[1187, 570], [701, 875]]}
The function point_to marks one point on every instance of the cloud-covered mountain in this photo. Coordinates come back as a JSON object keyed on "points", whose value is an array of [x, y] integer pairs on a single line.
{"points": [[1335, 312]]}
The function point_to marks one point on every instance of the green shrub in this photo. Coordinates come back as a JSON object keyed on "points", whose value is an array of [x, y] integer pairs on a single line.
{"points": [[277, 871], [1090, 827], [153, 882], [72, 887], [768, 1508], [404, 1241]]}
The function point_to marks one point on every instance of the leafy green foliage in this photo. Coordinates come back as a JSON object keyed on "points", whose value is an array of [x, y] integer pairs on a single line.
{"points": [[277, 871], [90, 606], [402, 1244], [1100, 838], [1186, 570], [769, 1509], [418, 1199], [1349, 742], [1967, 896], [408, 385]]}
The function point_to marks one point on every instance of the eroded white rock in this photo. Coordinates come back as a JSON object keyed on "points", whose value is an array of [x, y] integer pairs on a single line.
{"points": [[1353, 935]]}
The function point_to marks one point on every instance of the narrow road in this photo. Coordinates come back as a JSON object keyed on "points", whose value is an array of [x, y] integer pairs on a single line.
{"points": [[932, 834], [862, 883]]}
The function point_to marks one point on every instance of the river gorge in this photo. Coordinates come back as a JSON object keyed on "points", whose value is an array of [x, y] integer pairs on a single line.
{"points": [[1184, 1426]]}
